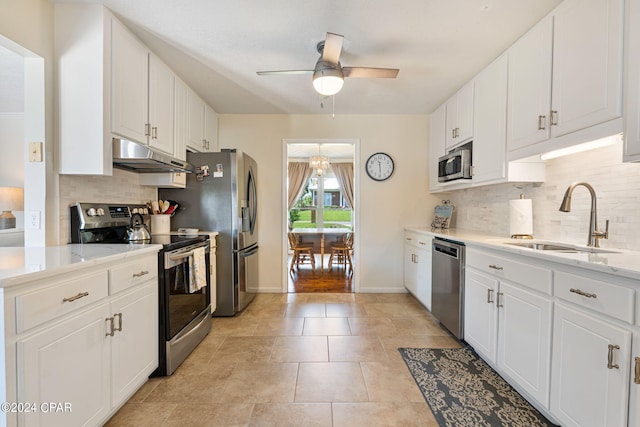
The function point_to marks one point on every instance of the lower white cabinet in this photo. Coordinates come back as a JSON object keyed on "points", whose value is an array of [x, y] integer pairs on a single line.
{"points": [[510, 327], [590, 377], [417, 266], [86, 356]]}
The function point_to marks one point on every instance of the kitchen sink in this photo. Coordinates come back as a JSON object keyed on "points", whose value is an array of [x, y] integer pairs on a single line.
{"points": [[560, 247]]}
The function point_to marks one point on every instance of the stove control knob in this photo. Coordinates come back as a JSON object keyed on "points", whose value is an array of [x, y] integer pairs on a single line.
{"points": [[91, 212], [145, 211], [100, 212], [134, 211]]}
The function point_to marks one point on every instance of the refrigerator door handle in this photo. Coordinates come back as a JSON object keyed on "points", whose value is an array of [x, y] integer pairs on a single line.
{"points": [[248, 252]]}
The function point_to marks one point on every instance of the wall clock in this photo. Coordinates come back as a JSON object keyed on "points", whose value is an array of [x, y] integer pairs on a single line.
{"points": [[379, 166]]}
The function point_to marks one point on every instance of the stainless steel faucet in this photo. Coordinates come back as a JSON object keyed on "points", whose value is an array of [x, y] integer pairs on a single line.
{"points": [[594, 234]]}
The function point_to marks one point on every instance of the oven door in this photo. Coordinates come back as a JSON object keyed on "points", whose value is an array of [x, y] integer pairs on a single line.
{"points": [[183, 304]]}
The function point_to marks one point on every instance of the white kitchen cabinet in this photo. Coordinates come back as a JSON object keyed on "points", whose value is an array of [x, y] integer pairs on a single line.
{"points": [[506, 296], [565, 77], [181, 118], [634, 394], [91, 354], [203, 125], [164, 180], [161, 107], [632, 83], [417, 266], [437, 149], [459, 117], [590, 376]]}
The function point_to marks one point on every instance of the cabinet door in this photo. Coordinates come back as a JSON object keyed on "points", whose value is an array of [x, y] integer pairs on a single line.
{"points": [[451, 122], [134, 346], [585, 391], [529, 87], [634, 398], [410, 269], [480, 314], [490, 124], [181, 119], [436, 144], [196, 123], [423, 272], [632, 84], [161, 105], [129, 85], [210, 129], [465, 113], [524, 339], [69, 362], [587, 64]]}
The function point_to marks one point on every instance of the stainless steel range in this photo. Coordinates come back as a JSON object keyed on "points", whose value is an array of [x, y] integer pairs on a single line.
{"points": [[184, 296]]}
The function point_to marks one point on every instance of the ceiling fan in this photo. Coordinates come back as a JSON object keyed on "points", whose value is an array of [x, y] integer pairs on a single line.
{"points": [[329, 74]]}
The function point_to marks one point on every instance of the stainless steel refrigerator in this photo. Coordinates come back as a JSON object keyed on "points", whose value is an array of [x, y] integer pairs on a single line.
{"points": [[221, 195]]}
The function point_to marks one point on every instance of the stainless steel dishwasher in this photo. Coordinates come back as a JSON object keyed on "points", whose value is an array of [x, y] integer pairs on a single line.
{"points": [[447, 281]]}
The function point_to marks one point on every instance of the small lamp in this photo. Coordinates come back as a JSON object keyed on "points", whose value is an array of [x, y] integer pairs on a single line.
{"points": [[11, 199]]}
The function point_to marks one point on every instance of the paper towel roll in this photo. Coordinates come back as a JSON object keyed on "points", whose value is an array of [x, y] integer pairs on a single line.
{"points": [[521, 217]]}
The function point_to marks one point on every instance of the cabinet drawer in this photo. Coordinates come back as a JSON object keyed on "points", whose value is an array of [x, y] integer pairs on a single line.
{"points": [[418, 240], [534, 277], [132, 273], [35, 308], [606, 298]]}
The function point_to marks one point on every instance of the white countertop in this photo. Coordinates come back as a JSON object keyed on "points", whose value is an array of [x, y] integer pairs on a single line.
{"points": [[623, 263], [20, 264]]}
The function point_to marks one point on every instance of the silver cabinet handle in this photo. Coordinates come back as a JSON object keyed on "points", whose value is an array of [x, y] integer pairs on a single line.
{"points": [[496, 267], [408, 239], [111, 327], [75, 297], [636, 378], [147, 129], [583, 293], [542, 122], [422, 243], [142, 273], [119, 316], [490, 296], [453, 133], [554, 118], [500, 302], [154, 132], [610, 364]]}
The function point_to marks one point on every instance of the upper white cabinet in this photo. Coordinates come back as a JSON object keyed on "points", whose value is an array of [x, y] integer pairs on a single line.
{"points": [[632, 83], [565, 76], [436, 144], [203, 125], [459, 117], [161, 107]]}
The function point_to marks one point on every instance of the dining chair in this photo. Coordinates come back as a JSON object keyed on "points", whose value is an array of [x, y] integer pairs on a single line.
{"points": [[342, 252], [301, 253]]}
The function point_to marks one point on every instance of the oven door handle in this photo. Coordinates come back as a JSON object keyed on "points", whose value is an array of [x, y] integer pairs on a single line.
{"points": [[180, 256]]}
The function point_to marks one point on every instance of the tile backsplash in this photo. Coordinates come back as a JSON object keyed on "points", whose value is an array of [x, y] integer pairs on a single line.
{"points": [[617, 186], [122, 187]]}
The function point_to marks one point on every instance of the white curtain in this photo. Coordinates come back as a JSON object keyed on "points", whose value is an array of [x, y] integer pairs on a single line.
{"points": [[299, 174], [344, 175]]}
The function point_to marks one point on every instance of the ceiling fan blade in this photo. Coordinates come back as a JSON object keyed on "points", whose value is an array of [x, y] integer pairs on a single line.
{"points": [[288, 72], [370, 73], [332, 48]]}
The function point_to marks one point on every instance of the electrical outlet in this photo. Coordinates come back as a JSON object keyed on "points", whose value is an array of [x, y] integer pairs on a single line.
{"points": [[33, 220]]}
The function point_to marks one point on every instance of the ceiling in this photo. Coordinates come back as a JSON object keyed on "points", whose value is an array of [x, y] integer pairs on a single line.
{"points": [[217, 46]]}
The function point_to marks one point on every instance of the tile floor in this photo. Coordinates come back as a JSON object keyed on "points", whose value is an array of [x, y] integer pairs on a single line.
{"points": [[298, 360]]}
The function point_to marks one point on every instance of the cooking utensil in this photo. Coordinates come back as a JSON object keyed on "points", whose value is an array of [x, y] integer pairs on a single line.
{"points": [[137, 230]]}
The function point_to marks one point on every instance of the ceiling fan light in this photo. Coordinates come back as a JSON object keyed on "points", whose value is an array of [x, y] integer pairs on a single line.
{"points": [[328, 81]]}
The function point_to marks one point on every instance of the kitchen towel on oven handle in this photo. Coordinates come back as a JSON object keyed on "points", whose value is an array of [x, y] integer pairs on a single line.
{"points": [[197, 270]]}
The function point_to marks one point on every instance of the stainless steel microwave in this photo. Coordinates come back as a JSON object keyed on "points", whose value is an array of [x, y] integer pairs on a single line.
{"points": [[455, 165]]}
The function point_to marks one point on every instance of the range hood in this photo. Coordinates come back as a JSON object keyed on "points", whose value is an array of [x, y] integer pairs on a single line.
{"points": [[142, 159]]}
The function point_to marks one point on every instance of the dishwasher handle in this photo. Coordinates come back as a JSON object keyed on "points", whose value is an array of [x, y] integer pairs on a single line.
{"points": [[452, 251]]}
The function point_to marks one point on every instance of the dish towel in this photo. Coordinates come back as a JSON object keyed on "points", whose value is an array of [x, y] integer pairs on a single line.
{"points": [[197, 270]]}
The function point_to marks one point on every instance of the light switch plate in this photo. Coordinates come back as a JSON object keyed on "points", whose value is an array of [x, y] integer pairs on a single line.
{"points": [[35, 152]]}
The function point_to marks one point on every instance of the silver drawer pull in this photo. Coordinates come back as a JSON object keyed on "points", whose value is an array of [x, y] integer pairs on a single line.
{"points": [[500, 302], [496, 267], [490, 296], [75, 297], [610, 364], [636, 378], [111, 327], [142, 273], [119, 316], [583, 293]]}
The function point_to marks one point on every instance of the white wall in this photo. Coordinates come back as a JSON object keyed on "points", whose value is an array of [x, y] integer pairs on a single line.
{"points": [[617, 187], [385, 207], [11, 150]]}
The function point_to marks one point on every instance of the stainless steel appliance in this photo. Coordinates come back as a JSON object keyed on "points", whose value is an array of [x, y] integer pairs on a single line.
{"points": [[141, 158], [447, 281], [184, 306], [222, 195], [455, 165]]}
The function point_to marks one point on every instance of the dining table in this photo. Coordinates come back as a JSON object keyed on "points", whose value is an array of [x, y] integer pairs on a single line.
{"points": [[322, 232]]}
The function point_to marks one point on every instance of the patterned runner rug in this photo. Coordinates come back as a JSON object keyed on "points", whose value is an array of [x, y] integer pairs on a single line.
{"points": [[462, 390]]}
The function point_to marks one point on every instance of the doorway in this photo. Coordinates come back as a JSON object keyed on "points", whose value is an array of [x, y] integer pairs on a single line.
{"points": [[321, 215]]}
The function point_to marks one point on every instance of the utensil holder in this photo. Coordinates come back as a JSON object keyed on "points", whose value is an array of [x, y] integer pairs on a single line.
{"points": [[160, 224]]}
